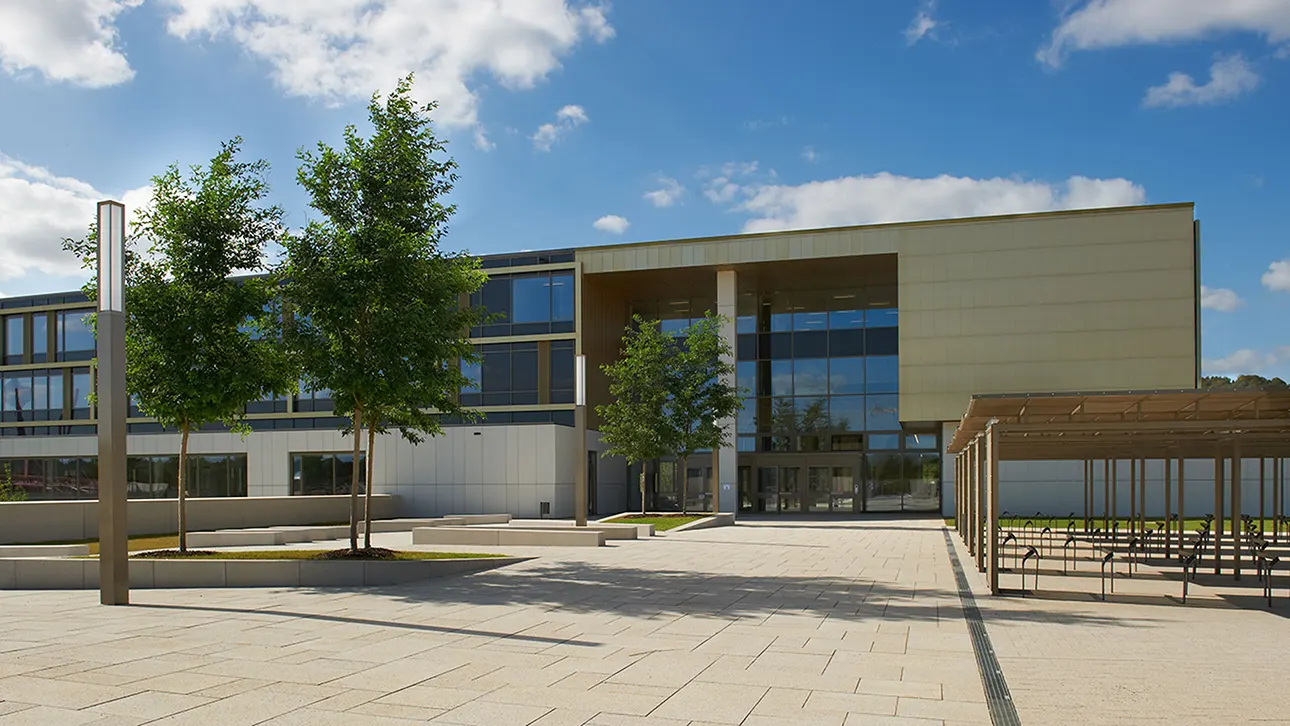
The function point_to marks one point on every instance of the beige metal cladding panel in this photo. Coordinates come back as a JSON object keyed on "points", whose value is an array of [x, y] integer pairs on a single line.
{"points": [[937, 324], [1048, 231], [1076, 259], [1047, 286], [1103, 346], [827, 243]]}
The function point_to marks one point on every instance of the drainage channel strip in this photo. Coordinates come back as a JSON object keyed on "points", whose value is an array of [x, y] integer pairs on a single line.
{"points": [[1002, 710]]}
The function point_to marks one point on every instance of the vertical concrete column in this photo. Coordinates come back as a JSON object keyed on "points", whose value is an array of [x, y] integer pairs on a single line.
{"points": [[726, 461], [1218, 510]]}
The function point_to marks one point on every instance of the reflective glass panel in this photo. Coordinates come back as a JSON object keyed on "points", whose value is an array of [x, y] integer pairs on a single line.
{"points": [[847, 413], [39, 334], [810, 376], [781, 378], [846, 375], [882, 413], [881, 373], [562, 297], [531, 299], [13, 342]]}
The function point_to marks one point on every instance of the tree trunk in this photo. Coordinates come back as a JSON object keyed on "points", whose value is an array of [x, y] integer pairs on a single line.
{"points": [[642, 489], [353, 477], [367, 488], [685, 485], [183, 485]]}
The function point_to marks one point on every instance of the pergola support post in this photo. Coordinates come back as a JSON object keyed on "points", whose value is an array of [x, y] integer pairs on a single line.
{"points": [[1168, 462], [1106, 497], [1237, 524], [992, 505], [1142, 497], [1263, 497], [1217, 527], [982, 507], [1182, 504], [1115, 503]]}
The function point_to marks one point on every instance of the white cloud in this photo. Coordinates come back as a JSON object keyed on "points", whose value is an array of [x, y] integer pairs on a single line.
{"points": [[343, 50], [1277, 277], [885, 197], [1114, 23], [566, 120], [1228, 78], [39, 209], [1220, 299], [809, 154], [666, 195], [64, 40], [720, 185], [612, 223], [922, 24], [1246, 360]]}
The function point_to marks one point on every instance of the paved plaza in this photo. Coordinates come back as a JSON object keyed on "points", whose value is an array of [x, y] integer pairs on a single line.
{"points": [[770, 623]]}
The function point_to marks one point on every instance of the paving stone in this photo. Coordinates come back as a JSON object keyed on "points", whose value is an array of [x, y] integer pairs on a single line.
{"points": [[715, 702], [152, 704], [489, 713]]}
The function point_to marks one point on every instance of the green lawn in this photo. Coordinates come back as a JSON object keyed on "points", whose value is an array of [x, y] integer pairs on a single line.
{"points": [[292, 554], [661, 523]]}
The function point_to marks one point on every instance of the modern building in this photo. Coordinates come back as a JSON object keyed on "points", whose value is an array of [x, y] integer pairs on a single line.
{"points": [[858, 348]]}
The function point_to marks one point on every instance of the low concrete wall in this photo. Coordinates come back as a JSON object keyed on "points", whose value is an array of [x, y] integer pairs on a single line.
{"points": [[26, 522], [505, 536], [716, 520], [44, 550], [612, 531], [83, 574]]}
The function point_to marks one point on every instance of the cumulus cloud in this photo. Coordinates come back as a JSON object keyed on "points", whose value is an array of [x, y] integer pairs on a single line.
{"points": [[39, 209], [1220, 299], [1246, 360], [611, 223], [1277, 277], [1228, 78], [73, 41], [885, 197], [566, 120], [922, 24], [667, 194], [809, 154], [342, 50], [1095, 24]]}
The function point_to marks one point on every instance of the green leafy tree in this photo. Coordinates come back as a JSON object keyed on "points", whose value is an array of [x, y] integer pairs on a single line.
{"points": [[632, 424], [1247, 382], [9, 492], [200, 343], [377, 305], [697, 398]]}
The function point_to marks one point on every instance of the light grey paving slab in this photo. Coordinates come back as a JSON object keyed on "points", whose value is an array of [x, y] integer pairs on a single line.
{"points": [[152, 704], [489, 713], [713, 702]]}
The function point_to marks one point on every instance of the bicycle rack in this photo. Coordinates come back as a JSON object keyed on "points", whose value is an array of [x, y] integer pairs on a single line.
{"points": [[1135, 544], [1010, 537], [1030, 552], [1265, 568], [1190, 562], [1049, 532], [1109, 557], [1070, 539], [1028, 529]]}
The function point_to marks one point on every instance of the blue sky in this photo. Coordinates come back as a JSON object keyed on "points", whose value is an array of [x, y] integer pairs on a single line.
{"points": [[582, 123]]}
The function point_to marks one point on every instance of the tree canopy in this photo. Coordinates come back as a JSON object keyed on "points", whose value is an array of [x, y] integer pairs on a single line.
{"points": [[1246, 382], [378, 313]]}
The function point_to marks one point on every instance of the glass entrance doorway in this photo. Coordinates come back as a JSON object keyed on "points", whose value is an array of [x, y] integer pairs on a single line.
{"points": [[802, 486], [837, 483]]}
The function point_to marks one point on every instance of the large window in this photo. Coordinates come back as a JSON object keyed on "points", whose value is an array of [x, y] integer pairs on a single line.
{"points": [[13, 332], [823, 367], [507, 374], [147, 477], [313, 474], [73, 339], [32, 395], [529, 304], [40, 338]]}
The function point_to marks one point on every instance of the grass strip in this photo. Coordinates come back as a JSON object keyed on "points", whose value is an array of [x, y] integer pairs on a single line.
{"points": [[661, 523]]}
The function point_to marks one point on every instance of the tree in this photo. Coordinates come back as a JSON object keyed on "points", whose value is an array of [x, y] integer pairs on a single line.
{"points": [[1247, 382], [698, 399], [200, 343], [9, 492], [632, 423], [669, 398], [377, 305]]}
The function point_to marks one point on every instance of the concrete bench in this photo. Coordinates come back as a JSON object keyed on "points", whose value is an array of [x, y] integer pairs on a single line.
{"points": [[508, 537], [72, 550], [237, 538], [612, 530], [409, 524]]}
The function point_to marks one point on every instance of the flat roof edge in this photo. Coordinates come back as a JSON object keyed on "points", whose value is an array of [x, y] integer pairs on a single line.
{"points": [[892, 225]]}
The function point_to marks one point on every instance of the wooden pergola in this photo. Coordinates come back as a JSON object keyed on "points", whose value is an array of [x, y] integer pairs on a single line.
{"points": [[1103, 429]]}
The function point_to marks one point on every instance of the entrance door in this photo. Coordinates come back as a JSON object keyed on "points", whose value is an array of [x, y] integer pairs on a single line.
{"points": [[819, 485], [767, 489], [790, 489]]}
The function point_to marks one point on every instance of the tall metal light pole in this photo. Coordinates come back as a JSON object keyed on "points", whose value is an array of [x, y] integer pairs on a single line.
{"points": [[580, 436], [114, 563]]}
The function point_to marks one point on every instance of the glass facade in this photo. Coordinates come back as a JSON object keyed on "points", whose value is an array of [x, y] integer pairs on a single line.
{"points": [[313, 474], [526, 304], [148, 477]]}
